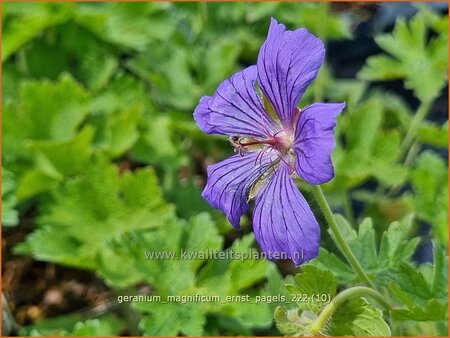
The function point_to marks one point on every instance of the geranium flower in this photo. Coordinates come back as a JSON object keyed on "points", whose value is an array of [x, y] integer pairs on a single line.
{"points": [[275, 140]]}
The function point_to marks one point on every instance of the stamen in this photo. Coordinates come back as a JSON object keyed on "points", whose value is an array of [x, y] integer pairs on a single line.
{"points": [[268, 141]]}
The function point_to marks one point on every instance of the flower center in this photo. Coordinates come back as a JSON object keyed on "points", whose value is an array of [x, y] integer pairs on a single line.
{"points": [[281, 142]]}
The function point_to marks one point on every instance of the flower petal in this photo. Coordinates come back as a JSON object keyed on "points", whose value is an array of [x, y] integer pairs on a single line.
{"points": [[283, 222], [314, 142], [288, 62], [235, 108], [229, 181]]}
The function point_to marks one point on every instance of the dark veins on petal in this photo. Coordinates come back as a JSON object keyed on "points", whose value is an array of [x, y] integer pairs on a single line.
{"points": [[229, 182]]}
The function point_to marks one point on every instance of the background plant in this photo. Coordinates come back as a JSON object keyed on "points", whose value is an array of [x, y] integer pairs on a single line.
{"points": [[102, 162]]}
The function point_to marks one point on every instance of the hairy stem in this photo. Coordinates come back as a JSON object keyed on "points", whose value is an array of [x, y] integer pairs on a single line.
{"points": [[342, 244], [356, 291]]}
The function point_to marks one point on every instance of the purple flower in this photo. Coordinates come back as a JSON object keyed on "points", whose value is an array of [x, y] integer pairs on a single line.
{"points": [[275, 140]]}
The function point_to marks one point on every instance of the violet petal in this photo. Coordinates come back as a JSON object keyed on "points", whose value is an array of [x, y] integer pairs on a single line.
{"points": [[314, 141], [283, 222], [229, 181], [288, 62], [235, 108]]}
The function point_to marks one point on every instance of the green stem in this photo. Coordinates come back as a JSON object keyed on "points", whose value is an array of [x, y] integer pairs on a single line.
{"points": [[357, 291], [412, 153], [342, 244], [414, 127]]}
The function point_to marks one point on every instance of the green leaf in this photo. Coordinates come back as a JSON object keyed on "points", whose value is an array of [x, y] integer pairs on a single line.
{"points": [[314, 289], [172, 76], [10, 216], [97, 327], [43, 57], [430, 200], [433, 134], [370, 151], [53, 110], [412, 57], [276, 286], [171, 319], [222, 56], [129, 26], [98, 66], [424, 298], [293, 322], [55, 160], [44, 110], [118, 131], [357, 317], [349, 90], [362, 124], [423, 328], [95, 208], [12, 78], [71, 325], [187, 196], [310, 283], [200, 275], [196, 240], [122, 92], [434, 19], [158, 144], [34, 182], [340, 268], [20, 26], [241, 279], [252, 315], [395, 247], [432, 311], [318, 19], [382, 67], [47, 111]]}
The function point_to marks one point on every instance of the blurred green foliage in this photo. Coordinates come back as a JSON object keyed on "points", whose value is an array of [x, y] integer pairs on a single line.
{"points": [[101, 151], [421, 63]]}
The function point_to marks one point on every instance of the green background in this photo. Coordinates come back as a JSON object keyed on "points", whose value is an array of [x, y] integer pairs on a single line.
{"points": [[102, 161]]}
